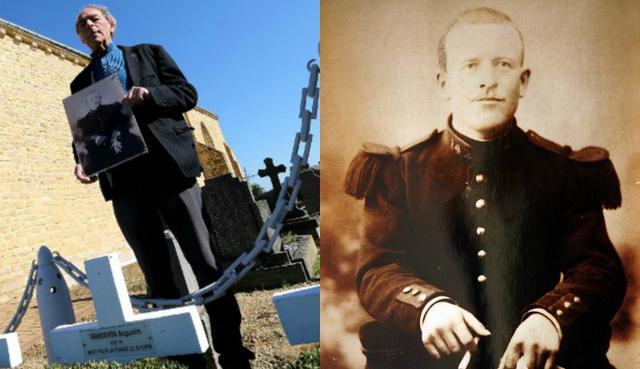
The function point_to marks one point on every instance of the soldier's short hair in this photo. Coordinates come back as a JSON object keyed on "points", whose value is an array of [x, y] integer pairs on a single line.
{"points": [[475, 16], [105, 12]]}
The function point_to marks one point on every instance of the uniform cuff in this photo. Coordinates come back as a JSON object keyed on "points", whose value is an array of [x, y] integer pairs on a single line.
{"points": [[547, 315], [430, 304]]}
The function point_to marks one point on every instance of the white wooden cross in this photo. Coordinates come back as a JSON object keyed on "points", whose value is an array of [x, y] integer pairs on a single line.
{"points": [[119, 334]]}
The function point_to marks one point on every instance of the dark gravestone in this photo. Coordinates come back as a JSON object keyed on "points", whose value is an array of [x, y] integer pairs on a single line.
{"points": [[289, 273], [310, 190], [234, 217], [235, 221], [293, 265], [302, 248], [265, 212], [302, 225]]}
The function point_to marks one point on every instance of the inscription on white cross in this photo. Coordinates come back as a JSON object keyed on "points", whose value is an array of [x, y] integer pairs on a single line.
{"points": [[119, 334]]}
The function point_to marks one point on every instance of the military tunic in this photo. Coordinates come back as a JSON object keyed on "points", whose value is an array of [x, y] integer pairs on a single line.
{"points": [[500, 227]]}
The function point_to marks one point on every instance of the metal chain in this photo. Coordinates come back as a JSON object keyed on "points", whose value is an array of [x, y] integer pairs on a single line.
{"points": [[73, 272], [25, 300], [285, 203]]}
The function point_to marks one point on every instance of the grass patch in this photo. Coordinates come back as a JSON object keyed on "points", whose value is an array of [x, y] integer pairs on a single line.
{"points": [[138, 364], [307, 360], [316, 266]]}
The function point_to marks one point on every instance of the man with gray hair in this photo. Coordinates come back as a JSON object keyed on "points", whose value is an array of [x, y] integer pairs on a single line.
{"points": [[485, 246], [159, 189]]}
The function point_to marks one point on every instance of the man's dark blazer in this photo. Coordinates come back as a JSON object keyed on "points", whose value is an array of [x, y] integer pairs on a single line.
{"points": [[150, 66]]}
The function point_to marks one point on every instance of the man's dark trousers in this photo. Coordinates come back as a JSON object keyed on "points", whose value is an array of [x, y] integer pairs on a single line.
{"points": [[142, 217]]}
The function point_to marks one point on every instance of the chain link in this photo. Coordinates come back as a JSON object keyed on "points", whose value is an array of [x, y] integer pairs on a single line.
{"points": [[71, 269], [25, 300]]}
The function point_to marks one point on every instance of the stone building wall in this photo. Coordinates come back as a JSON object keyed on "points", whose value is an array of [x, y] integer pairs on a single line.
{"points": [[41, 202], [216, 157]]}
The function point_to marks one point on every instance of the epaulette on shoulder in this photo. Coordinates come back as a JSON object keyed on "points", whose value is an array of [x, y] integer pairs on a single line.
{"points": [[595, 176], [589, 154], [365, 167], [549, 145], [420, 141]]}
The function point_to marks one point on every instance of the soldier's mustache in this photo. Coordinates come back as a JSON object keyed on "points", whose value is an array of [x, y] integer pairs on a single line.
{"points": [[487, 98]]}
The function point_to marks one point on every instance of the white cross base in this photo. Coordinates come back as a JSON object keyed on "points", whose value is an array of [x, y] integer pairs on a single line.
{"points": [[119, 335], [299, 312], [10, 353]]}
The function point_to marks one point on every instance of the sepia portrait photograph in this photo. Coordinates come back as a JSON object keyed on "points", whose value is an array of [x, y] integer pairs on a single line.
{"points": [[481, 193], [105, 132]]}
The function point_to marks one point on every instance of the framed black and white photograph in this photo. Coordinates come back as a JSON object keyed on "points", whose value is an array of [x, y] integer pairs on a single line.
{"points": [[105, 132]]}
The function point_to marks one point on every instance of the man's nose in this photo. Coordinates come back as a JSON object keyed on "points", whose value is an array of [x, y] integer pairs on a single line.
{"points": [[487, 78], [88, 23]]}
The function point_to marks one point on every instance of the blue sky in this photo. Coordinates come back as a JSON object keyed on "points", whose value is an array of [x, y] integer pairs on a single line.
{"points": [[246, 58]]}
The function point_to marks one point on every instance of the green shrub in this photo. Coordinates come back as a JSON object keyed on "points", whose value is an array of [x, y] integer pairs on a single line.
{"points": [[307, 360], [316, 267]]}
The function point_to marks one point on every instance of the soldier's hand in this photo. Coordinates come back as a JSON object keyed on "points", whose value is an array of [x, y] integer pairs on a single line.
{"points": [[116, 145], [535, 342], [79, 172], [99, 139], [447, 328], [137, 96]]}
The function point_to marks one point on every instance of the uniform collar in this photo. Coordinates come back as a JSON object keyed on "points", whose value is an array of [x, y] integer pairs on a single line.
{"points": [[464, 146]]}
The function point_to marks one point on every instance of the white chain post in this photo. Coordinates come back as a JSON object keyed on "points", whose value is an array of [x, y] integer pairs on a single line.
{"points": [[54, 300]]}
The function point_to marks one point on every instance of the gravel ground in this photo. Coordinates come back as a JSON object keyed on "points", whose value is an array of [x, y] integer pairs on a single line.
{"points": [[262, 332]]}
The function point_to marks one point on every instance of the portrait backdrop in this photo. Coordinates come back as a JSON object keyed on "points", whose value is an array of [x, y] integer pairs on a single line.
{"points": [[379, 66]]}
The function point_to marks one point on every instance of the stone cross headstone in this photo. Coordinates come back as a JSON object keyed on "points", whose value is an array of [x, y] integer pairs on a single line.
{"points": [[310, 191], [272, 172], [119, 334]]}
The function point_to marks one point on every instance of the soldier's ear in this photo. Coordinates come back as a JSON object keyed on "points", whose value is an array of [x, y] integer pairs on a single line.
{"points": [[443, 85], [524, 81]]}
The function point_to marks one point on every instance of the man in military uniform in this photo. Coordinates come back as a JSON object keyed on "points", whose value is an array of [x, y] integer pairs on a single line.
{"points": [[485, 246]]}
